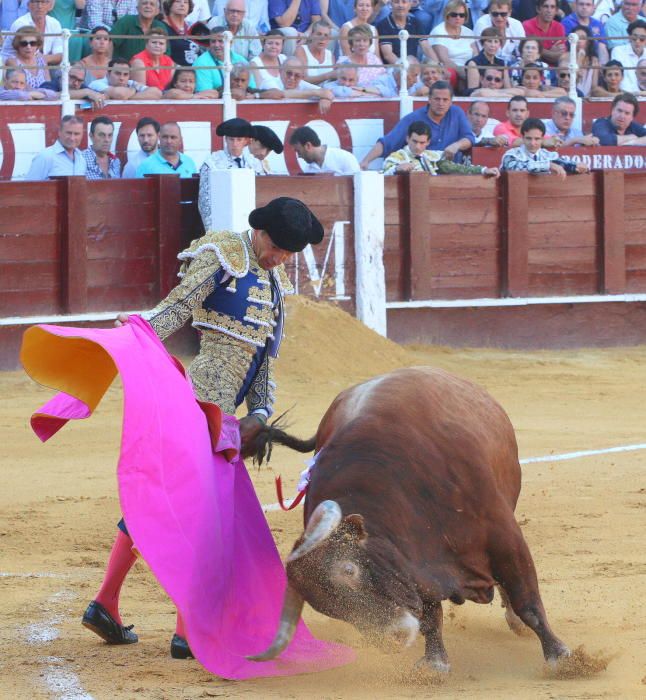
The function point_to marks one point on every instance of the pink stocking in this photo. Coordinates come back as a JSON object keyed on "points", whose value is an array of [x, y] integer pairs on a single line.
{"points": [[121, 560]]}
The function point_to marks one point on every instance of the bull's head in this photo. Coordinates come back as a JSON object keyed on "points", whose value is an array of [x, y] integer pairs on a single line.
{"points": [[340, 572]]}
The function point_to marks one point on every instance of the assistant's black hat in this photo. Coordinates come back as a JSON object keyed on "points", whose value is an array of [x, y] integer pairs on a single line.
{"points": [[267, 138], [288, 222], [234, 127]]}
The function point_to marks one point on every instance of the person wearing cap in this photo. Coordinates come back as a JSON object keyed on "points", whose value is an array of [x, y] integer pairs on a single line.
{"points": [[236, 133], [232, 287], [263, 141]]}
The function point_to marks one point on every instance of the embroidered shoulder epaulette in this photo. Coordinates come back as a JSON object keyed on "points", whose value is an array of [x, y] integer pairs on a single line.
{"points": [[228, 247]]}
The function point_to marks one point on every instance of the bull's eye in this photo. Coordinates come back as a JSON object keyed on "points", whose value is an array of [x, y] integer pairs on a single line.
{"points": [[350, 569], [346, 573]]}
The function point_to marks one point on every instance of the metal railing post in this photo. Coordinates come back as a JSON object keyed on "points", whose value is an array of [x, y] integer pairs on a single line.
{"points": [[229, 103], [68, 105], [573, 66]]}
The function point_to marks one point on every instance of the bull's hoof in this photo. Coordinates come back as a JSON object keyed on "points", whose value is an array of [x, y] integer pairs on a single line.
{"points": [[557, 654], [431, 670]]}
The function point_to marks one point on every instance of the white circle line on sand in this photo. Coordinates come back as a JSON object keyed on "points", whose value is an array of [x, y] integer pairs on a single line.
{"points": [[529, 460]]}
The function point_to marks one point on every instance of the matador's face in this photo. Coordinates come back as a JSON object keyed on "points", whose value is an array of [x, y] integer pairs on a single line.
{"points": [[269, 255]]}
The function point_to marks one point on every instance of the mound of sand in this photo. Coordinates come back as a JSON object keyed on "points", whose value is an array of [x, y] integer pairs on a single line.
{"points": [[580, 664]]}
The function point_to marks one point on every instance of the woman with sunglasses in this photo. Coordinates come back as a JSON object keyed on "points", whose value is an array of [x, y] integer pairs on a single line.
{"points": [[27, 44], [96, 63], [511, 31], [452, 41]]}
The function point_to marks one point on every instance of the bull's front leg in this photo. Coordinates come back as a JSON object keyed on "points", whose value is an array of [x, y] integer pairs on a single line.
{"points": [[435, 657]]}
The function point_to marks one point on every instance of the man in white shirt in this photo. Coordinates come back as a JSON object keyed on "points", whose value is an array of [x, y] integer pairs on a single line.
{"points": [[483, 126], [117, 84], [148, 137], [499, 17], [292, 86], [64, 157], [321, 159], [48, 26], [630, 54]]}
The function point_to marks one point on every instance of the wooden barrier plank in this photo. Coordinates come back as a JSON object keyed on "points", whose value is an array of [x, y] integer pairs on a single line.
{"points": [[635, 258], [29, 275], [548, 210], [556, 260], [30, 302], [460, 236], [36, 247], [634, 184], [462, 187], [610, 186], [456, 211], [541, 285], [111, 244], [118, 272], [121, 298], [469, 261], [514, 204], [457, 281], [549, 186], [74, 244], [636, 281], [562, 235], [635, 205], [421, 285], [169, 234]]}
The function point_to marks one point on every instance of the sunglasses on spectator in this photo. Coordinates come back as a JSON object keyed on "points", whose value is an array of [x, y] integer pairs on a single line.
{"points": [[566, 113], [638, 37], [499, 14], [453, 15], [563, 75], [493, 78], [28, 42]]}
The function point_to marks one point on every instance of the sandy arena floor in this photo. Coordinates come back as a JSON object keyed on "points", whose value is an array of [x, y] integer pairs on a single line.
{"points": [[584, 519]]}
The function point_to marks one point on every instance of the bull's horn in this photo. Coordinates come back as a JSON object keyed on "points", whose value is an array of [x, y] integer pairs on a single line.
{"points": [[324, 521], [289, 617]]}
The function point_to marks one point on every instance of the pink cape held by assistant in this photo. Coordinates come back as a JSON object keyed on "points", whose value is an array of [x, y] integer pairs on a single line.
{"points": [[191, 510]]}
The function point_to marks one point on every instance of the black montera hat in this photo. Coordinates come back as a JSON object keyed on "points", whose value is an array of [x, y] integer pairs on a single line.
{"points": [[267, 138], [234, 127], [288, 222]]}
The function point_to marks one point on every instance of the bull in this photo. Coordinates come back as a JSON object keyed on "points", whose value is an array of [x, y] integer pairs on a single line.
{"points": [[411, 502]]}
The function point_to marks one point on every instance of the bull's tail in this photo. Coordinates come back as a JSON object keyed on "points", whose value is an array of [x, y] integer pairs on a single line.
{"points": [[276, 434]]}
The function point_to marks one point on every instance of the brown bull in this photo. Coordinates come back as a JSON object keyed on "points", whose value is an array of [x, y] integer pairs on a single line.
{"points": [[411, 502]]}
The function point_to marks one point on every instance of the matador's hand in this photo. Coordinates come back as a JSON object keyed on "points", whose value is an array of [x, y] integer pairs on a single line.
{"points": [[250, 427]]}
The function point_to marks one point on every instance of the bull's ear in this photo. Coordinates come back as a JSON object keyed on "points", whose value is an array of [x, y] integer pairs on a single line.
{"points": [[354, 525]]}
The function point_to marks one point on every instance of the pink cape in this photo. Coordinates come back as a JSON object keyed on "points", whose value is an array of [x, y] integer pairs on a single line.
{"points": [[193, 515]]}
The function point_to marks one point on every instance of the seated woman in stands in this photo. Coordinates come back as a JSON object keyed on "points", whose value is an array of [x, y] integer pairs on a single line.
{"points": [[611, 76], [586, 59], [452, 41], [152, 67], [182, 87], [266, 66], [530, 52], [363, 10], [487, 58], [430, 72], [182, 51], [96, 63], [27, 44], [532, 82], [315, 55], [370, 69]]}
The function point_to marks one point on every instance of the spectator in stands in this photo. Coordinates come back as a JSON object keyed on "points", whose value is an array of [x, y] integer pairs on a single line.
{"points": [[582, 17], [135, 28], [346, 84], [531, 157], [563, 81], [399, 18], [293, 17], [168, 159], [240, 89], [431, 72], [208, 78], [483, 126], [263, 141], [27, 44], [148, 137], [612, 75], [492, 85], [510, 30], [617, 25], [44, 26], [533, 85], [101, 164], [321, 159], [64, 157], [15, 88], [631, 53], [315, 55], [620, 128], [546, 25], [152, 66], [183, 51], [485, 59], [77, 88], [97, 62], [363, 10], [517, 112], [641, 78], [530, 54], [256, 13], [234, 21], [291, 85], [119, 86], [450, 129], [183, 84], [416, 156], [369, 67], [587, 61], [453, 52], [559, 130], [266, 66], [10, 11], [106, 12], [412, 78]]}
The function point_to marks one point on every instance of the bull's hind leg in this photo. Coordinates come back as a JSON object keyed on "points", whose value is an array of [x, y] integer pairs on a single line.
{"points": [[435, 656], [514, 570]]}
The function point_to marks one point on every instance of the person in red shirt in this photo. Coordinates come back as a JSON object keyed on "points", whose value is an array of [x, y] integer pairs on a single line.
{"points": [[152, 67], [517, 112], [544, 25]]}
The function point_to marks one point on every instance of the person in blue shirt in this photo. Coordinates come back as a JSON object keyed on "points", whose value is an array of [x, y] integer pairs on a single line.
{"points": [[168, 160], [64, 157], [207, 77], [298, 14], [451, 132], [582, 16], [620, 128]]}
